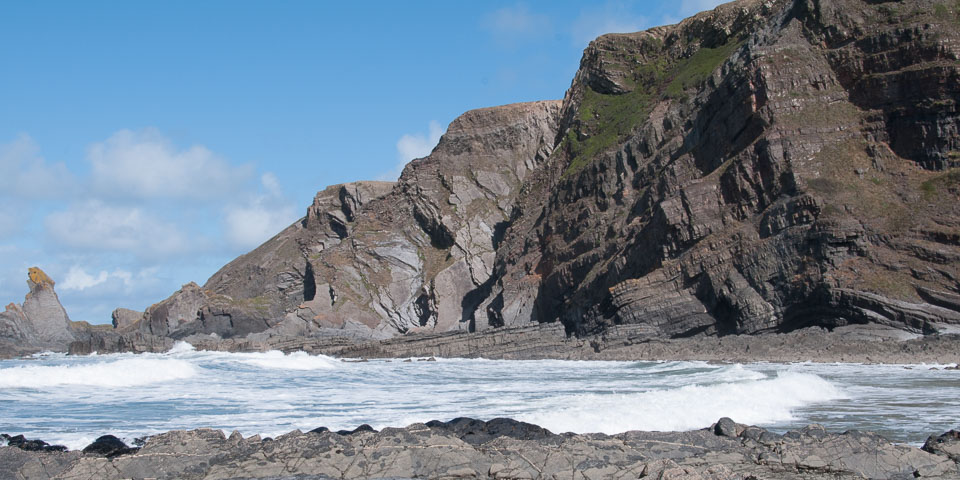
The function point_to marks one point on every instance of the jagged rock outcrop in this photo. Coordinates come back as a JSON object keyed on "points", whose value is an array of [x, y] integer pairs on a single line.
{"points": [[124, 318], [277, 274], [374, 259], [762, 167], [40, 323], [495, 449]]}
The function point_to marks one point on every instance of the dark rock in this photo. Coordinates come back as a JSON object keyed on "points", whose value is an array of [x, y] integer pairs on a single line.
{"points": [[361, 428], [23, 443], [108, 446], [320, 430], [725, 427], [476, 432], [945, 444]]}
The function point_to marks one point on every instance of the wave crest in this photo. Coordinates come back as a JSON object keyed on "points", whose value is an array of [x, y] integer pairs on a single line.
{"points": [[127, 372], [690, 407]]}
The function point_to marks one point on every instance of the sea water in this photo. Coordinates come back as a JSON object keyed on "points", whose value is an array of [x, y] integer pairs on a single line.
{"points": [[71, 400]]}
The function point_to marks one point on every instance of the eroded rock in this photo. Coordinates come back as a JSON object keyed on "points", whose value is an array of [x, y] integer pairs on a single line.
{"points": [[518, 451]]}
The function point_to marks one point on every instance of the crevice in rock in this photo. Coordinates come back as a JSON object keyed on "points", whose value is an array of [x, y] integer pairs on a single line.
{"points": [[309, 284]]}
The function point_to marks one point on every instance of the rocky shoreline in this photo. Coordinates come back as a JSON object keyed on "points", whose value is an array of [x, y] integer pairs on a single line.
{"points": [[852, 344], [495, 449]]}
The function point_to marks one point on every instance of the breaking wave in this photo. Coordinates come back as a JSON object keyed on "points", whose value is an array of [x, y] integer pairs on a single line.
{"points": [[125, 372], [758, 402], [280, 361]]}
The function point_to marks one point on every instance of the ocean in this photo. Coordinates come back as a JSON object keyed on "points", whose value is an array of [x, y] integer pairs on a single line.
{"points": [[71, 400]]}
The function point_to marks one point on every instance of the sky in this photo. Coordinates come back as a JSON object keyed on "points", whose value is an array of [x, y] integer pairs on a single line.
{"points": [[143, 145]]}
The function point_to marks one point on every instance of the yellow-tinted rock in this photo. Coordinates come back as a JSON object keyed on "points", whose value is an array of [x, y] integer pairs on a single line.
{"points": [[38, 277]]}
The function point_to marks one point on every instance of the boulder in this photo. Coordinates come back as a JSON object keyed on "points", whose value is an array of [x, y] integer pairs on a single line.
{"points": [[108, 446], [945, 444]]}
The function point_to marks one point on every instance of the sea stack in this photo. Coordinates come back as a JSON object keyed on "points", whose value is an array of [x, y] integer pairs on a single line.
{"points": [[40, 323]]}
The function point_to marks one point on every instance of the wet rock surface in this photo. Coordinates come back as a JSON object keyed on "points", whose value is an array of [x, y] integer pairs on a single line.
{"points": [[108, 446], [509, 450]]}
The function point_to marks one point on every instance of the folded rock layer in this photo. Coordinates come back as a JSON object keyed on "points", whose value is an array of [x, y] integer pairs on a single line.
{"points": [[762, 167]]}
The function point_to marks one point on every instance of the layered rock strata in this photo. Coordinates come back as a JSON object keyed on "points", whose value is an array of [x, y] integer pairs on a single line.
{"points": [[498, 449], [757, 168], [762, 167]]}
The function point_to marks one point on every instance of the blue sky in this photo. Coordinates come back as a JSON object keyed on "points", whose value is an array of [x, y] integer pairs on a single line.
{"points": [[143, 145]]}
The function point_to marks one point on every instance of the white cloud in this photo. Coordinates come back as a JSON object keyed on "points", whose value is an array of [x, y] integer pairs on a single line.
{"points": [[414, 145], [691, 7], [510, 25], [94, 225], [418, 145], [261, 217], [613, 17], [146, 164], [78, 279], [27, 175]]}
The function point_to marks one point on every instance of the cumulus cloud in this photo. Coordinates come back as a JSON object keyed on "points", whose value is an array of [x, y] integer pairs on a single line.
{"points": [[94, 225], [511, 25], [261, 216], [139, 222], [78, 279], [145, 164], [418, 145], [414, 145], [27, 175], [613, 17]]}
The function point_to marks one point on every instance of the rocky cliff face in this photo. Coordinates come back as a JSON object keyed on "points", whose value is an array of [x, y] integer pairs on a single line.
{"points": [[762, 167], [420, 257], [40, 323], [377, 259]]}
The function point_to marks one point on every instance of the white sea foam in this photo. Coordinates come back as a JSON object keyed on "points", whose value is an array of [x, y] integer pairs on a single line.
{"points": [[125, 372], [181, 347], [690, 407], [293, 361], [270, 393]]}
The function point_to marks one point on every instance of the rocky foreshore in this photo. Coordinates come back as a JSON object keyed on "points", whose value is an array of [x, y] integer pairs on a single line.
{"points": [[496, 449], [852, 344]]}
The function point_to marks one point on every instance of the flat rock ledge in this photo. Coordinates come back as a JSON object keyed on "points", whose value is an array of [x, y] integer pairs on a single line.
{"points": [[856, 344], [499, 449]]}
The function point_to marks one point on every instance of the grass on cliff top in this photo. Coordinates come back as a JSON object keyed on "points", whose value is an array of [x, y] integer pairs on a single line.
{"points": [[611, 117], [694, 70], [607, 119]]}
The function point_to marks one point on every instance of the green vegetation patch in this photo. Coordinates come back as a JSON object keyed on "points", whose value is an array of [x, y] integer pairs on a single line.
{"points": [[609, 118], [936, 186], [606, 119], [694, 70], [941, 11]]}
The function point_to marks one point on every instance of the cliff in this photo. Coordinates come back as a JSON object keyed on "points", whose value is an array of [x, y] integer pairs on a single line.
{"points": [[762, 167]]}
